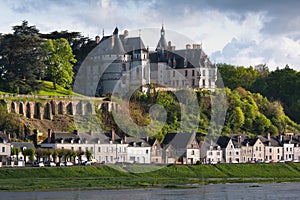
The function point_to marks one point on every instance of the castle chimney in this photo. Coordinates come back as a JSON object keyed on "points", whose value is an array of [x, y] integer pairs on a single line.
{"points": [[97, 39], [49, 135]]}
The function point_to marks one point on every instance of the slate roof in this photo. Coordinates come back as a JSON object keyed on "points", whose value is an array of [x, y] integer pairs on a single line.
{"points": [[136, 142], [91, 138], [3, 137], [21, 145], [178, 140]]}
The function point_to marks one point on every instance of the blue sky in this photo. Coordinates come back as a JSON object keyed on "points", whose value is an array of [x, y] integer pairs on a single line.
{"points": [[238, 32]]}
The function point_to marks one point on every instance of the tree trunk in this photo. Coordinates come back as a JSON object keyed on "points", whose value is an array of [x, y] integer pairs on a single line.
{"points": [[54, 85]]}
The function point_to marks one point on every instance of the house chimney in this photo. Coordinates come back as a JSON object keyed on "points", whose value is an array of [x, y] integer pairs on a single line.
{"points": [[124, 139], [76, 132], [112, 134], [188, 46], [49, 135], [239, 139], [269, 136]]}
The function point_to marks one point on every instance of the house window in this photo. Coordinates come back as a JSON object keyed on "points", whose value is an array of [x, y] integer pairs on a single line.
{"points": [[203, 73], [111, 158], [237, 153], [185, 72], [72, 148], [259, 148], [291, 149], [79, 149], [193, 73], [193, 152], [218, 153], [173, 73], [99, 149], [277, 150], [287, 149], [256, 148], [270, 150], [3, 149], [147, 151]]}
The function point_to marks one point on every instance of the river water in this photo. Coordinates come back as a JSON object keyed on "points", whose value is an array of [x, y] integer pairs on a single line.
{"points": [[217, 191]]}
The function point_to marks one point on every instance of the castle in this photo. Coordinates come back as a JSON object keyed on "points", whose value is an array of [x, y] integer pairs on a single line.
{"points": [[119, 61]]}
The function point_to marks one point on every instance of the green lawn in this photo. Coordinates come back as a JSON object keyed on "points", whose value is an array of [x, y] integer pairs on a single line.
{"points": [[122, 176], [48, 90]]}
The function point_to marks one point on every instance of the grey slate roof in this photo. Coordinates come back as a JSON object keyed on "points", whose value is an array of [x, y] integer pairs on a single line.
{"points": [[21, 145], [178, 140]]}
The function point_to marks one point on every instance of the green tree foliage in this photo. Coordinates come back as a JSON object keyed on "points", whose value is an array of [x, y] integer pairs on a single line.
{"points": [[237, 118], [59, 61], [21, 60], [7, 120], [282, 85], [30, 153], [234, 77]]}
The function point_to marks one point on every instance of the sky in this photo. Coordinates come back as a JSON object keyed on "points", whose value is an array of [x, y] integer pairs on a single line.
{"points": [[238, 32]]}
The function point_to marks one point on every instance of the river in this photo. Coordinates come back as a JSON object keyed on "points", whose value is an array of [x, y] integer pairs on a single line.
{"points": [[211, 192]]}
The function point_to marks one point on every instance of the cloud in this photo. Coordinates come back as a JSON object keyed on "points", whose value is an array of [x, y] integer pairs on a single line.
{"points": [[275, 52]]}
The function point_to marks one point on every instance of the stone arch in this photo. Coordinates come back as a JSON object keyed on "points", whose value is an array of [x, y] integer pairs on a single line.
{"points": [[47, 111], [37, 110], [28, 110], [70, 108], [79, 110], [21, 108], [88, 108], [13, 107], [53, 107], [60, 108]]}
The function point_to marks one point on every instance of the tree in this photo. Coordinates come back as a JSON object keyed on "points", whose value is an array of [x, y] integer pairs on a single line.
{"points": [[237, 118], [59, 60], [29, 153], [88, 155], [54, 154], [21, 60]]}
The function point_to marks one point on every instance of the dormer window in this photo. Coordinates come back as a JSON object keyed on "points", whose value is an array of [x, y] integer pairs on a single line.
{"points": [[62, 141], [98, 141], [134, 144], [142, 144], [72, 141]]}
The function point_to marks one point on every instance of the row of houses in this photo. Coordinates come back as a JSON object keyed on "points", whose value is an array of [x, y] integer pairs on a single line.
{"points": [[176, 148], [179, 148]]}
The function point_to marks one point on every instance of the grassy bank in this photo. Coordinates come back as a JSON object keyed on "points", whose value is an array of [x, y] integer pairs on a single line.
{"points": [[116, 177]]}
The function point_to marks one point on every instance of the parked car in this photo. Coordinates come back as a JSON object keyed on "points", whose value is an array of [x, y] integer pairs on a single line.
{"points": [[87, 163], [281, 161], [38, 164], [295, 160], [50, 164], [69, 164], [60, 164]]}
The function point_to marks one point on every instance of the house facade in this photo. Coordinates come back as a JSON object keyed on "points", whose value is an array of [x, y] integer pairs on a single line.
{"points": [[185, 147]]}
